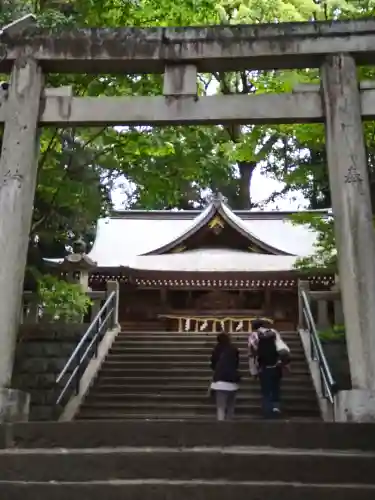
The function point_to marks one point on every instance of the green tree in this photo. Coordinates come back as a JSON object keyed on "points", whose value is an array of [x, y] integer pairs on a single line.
{"points": [[324, 255]]}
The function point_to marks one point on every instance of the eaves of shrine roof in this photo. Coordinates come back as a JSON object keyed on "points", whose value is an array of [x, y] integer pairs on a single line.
{"points": [[210, 260]]}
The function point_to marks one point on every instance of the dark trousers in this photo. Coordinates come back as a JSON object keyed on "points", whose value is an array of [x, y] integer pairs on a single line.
{"points": [[270, 380]]}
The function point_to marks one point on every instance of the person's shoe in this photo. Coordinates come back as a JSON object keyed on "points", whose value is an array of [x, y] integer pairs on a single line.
{"points": [[276, 412]]}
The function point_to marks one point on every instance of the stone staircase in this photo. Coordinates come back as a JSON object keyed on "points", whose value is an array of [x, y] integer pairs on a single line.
{"points": [[187, 461], [165, 375]]}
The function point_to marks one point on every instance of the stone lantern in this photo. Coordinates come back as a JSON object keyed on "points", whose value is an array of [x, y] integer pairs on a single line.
{"points": [[77, 265]]}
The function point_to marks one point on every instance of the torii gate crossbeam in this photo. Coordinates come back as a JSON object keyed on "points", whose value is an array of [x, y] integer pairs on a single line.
{"points": [[210, 48]]}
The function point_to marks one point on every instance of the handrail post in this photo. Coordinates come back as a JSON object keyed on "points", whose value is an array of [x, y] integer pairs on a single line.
{"points": [[77, 375], [302, 285], [98, 335], [113, 286]]}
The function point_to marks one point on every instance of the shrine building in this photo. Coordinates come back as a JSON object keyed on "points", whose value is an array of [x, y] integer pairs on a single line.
{"points": [[204, 270]]}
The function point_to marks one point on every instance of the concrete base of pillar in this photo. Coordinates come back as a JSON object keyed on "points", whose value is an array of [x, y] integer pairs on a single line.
{"points": [[356, 405], [14, 405]]}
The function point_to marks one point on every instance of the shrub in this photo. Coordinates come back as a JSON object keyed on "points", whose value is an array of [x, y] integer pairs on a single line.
{"points": [[337, 332], [62, 301]]}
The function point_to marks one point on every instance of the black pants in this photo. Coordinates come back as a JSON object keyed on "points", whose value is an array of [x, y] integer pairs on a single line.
{"points": [[270, 380]]}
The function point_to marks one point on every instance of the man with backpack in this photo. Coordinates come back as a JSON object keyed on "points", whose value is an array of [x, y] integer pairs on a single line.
{"points": [[268, 355]]}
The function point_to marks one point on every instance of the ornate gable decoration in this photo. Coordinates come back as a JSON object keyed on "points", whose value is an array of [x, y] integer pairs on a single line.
{"points": [[216, 224], [216, 218]]}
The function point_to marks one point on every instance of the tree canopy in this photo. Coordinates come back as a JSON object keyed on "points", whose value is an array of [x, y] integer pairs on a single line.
{"points": [[175, 166]]}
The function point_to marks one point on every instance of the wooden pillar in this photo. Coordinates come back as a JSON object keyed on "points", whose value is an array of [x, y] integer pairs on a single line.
{"points": [[267, 301], [351, 203], [163, 298], [18, 172]]}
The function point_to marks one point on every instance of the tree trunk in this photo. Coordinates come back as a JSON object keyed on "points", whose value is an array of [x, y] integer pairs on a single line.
{"points": [[246, 173]]}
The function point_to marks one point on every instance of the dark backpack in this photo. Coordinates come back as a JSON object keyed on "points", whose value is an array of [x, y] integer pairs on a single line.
{"points": [[267, 354]]}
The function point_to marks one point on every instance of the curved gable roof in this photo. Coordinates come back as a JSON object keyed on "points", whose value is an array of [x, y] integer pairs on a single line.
{"points": [[126, 235], [217, 207]]}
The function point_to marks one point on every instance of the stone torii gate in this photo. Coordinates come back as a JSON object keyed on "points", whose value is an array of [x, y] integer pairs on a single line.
{"points": [[179, 53]]}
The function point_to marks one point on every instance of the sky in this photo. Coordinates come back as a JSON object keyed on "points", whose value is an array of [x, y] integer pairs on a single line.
{"points": [[262, 187]]}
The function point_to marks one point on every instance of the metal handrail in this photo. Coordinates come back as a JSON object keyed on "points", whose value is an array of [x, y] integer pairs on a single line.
{"points": [[93, 337], [329, 385]]}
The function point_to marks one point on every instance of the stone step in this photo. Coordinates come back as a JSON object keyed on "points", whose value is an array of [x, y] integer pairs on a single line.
{"points": [[174, 408], [303, 381], [200, 397], [182, 347], [193, 342], [198, 335], [207, 463], [189, 364], [183, 490], [301, 434], [246, 388], [126, 371], [193, 335], [204, 333], [99, 413], [98, 416], [175, 353], [195, 360]]}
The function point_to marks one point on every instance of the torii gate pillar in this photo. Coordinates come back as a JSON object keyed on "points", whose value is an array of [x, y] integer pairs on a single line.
{"points": [[18, 174], [354, 231]]}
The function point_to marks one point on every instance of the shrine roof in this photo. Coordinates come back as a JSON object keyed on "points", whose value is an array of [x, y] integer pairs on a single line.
{"points": [[137, 239]]}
